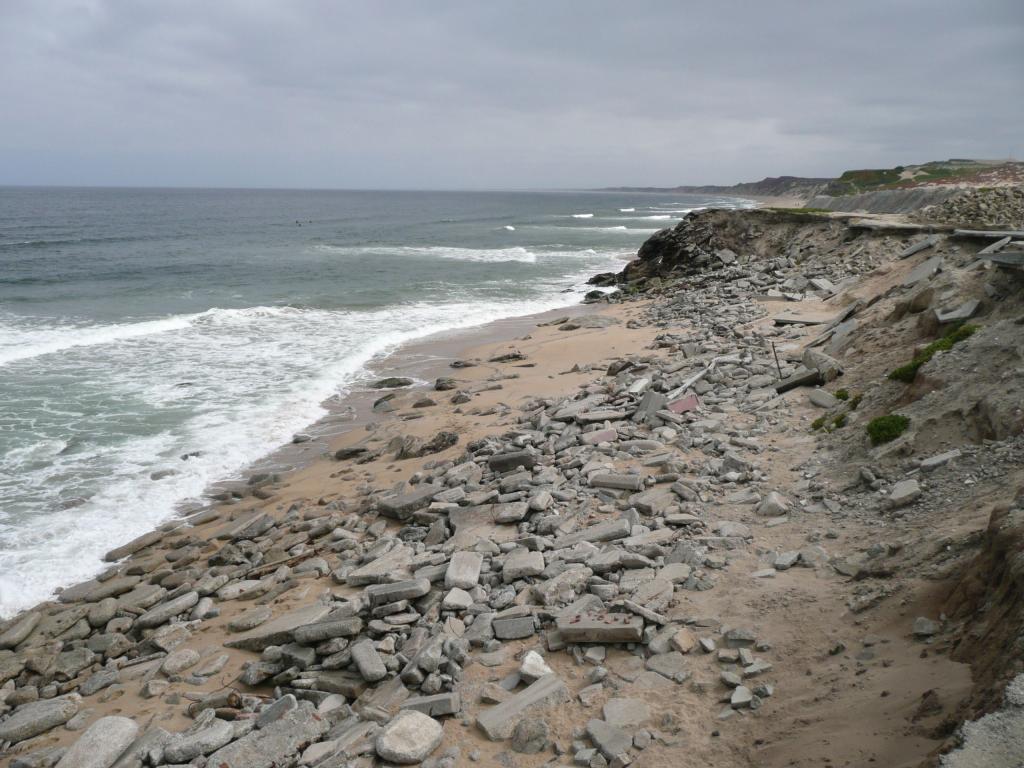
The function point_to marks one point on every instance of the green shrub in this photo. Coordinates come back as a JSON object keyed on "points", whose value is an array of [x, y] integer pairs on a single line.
{"points": [[841, 394], [908, 372], [819, 422], [885, 429], [856, 401], [839, 421]]}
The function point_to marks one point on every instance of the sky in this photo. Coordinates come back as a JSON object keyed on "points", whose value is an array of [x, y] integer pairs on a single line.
{"points": [[432, 94]]}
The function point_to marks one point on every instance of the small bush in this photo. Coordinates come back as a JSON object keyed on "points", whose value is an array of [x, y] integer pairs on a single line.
{"points": [[856, 401], [839, 421], [885, 429], [818, 423], [907, 373], [842, 394]]}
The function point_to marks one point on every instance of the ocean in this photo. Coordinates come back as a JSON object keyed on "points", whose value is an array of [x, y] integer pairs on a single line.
{"points": [[141, 326]]}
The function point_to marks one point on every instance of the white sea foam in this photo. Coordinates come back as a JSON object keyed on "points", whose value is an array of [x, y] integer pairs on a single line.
{"points": [[516, 253], [583, 215], [249, 378], [626, 210], [510, 228], [21, 344]]}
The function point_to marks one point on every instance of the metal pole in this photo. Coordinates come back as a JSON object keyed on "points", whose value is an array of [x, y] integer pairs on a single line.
{"points": [[776, 358]]}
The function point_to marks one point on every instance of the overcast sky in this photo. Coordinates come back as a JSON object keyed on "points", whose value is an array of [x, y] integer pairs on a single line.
{"points": [[488, 94]]}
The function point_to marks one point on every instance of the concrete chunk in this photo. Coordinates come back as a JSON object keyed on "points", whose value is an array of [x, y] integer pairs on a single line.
{"points": [[521, 563], [389, 567], [368, 661], [410, 589], [133, 546], [437, 705], [601, 628], [506, 462], [903, 493], [498, 722], [403, 505], [276, 744], [606, 531], [409, 738], [101, 743], [38, 717], [280, 630], [17, 633], [164, 612], [617, 481]]}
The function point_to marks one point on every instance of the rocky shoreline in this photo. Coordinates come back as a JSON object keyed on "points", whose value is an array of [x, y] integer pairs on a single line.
{"points": [[653, 534]]}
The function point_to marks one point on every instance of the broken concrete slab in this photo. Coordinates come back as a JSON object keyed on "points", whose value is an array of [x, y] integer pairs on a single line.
{"points": [[500, 721], [280, 630]]}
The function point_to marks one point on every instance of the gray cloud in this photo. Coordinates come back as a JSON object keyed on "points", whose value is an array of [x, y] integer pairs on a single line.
{"points": [[526, 94]]}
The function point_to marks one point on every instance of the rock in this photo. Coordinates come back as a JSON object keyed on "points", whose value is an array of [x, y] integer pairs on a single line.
{"points": [[368, 661], [533, 667], [521, 563], [282, 629], [184, 747], [741, 697], [98, 681], [409, 738], [392, 382], [101, 743], [613, 743], [166, 611], [250, 619], [38, 717], [499, 721], [506, 462], [463, 570], [457, 600], [626, 713], [939, 460], [409, 589], [823, 399], [180, 660], [276, 744], [438, 705], [444, 383], [277, 710], [530, 736], [827, 367], [601, 628], [402, 505], [925, 627], [20, 630], [133, 546], [903, 493], [684, 640], [773, 505]]}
